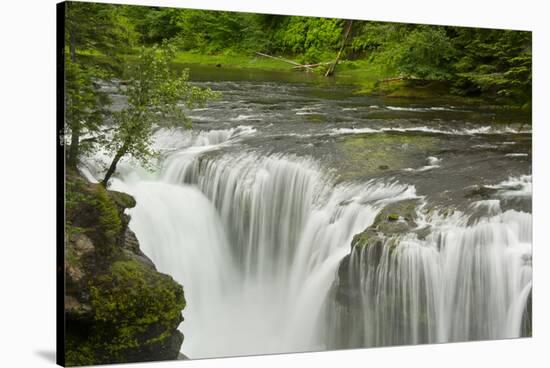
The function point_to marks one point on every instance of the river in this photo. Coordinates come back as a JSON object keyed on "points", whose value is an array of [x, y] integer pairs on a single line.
{"points": [[254, 209]]}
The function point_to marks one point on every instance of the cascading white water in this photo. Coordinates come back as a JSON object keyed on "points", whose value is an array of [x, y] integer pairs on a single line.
{"points": [[256, 241], [288, 230], [460, 283]]}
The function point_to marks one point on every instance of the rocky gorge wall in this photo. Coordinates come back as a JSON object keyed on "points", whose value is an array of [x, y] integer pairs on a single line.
{"points": [[118, 308]]}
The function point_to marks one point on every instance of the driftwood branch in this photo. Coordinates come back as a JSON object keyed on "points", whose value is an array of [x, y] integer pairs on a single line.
{"points": [[296, 65], [312, 65], [330, 70]]}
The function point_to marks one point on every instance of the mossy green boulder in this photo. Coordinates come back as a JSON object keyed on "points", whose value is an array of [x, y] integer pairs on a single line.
{"points": [[118, 308]]}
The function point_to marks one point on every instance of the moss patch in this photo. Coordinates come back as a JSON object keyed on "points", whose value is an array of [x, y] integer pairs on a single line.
{"points": [[368, 154], [131, 293], [134, 307]]}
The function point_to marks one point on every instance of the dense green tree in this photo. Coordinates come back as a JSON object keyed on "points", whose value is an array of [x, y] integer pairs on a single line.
{"points": [[213, 32], [425, 52], [84, 108], [89, 28], [96, 27], [493, 62], [155, 97], [154, 24], [316, 39]]}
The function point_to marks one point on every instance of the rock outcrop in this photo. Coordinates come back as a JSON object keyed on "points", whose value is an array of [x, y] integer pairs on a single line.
{"points": [[118, 308], [367, 248]]}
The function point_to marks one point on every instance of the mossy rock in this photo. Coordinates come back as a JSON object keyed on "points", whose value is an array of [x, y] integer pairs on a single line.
{"points": [[122, 200], [132, 292], [394, 220], [135, 312], [92, 209], [118, 308], [393, 217]]}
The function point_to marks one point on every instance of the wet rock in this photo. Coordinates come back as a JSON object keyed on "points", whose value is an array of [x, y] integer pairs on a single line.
{"points": [[479, 192], [394, 219]]}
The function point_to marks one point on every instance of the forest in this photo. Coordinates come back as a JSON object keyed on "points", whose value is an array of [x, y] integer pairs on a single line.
{"points": [[495, 64]]}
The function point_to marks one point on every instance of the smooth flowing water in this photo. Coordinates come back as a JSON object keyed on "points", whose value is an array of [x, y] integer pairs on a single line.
{"points": [[254, 209]]}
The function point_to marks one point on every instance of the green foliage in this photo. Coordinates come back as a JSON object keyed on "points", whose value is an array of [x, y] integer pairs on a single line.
{"points": [[84, 107], [374, 36], [213, 32], [90, 28], [99, 27], [74, 192], [419, 51], [316, 39], [495, 62], [424, 53], [79, 354], [154, 24]]}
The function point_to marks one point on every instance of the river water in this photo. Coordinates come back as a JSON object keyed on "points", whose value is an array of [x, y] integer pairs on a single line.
{"points": [[254, 209]]}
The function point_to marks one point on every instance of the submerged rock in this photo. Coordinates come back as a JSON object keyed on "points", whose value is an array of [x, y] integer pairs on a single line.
{"points": [[394, 219], [479, 192], [118, 308]]}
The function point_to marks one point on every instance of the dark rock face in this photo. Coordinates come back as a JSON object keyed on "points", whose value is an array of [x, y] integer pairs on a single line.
{"points": [[118, 308], [367, 248]]}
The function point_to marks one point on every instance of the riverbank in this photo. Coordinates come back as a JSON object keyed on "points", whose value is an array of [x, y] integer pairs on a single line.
{"points": [[364, 77], [368, 78]]}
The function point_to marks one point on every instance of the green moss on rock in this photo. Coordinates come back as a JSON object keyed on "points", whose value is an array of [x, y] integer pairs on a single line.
{"points": [[131, 293], [393, 217], [118, 308]]}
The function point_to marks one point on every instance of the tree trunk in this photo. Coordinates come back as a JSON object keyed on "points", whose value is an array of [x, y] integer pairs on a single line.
{"points": [[112, 168], [330, 70], [72, 159], [72, 45]]}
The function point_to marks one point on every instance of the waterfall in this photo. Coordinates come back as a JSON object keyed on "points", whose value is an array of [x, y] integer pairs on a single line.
{"points": [[460, 283], [257, 242], [288, 228]]}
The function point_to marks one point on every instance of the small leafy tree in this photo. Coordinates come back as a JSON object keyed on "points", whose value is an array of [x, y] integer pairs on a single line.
{"points": [[156, 97]]}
